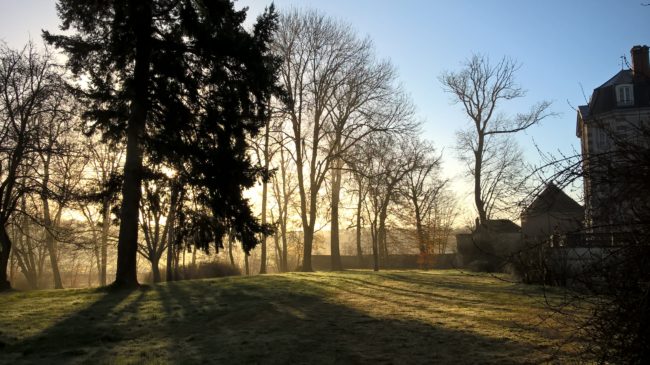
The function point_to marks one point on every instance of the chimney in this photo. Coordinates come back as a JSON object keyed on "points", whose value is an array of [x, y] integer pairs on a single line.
{"points": [[640, 61]]}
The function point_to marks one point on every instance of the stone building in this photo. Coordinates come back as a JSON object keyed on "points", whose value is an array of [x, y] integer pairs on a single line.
{"points": [[611, 128], [552, 213]]}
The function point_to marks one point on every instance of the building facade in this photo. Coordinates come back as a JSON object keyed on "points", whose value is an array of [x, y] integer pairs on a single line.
{"points": [[613, 131], [551, 213]]}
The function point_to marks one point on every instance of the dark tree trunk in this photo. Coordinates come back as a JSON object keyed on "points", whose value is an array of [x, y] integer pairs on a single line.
{"points": [[334, 232], [126, 275], [309, 233], [375, 252], [29, 272], [265, 192], [26, 261], [285, 253], [48, 226], [478, 166], [155, 270], [52, 251], [169, 270], [98, 261], [106, 224], [419, 229], [5, 245], [305, 215], [359, 207], [308, 240], [278, 251], [283, 207], [230, 255], [381, 235], [12, 264], [177, 256]]}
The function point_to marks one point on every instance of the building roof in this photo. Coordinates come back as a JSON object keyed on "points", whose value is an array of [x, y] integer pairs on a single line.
{"points": [[603, 98], [622, 77], [501, 226], [552, 199]]}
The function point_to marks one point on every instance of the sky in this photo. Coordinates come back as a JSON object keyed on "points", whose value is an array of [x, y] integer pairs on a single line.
{"points": [[565, 48]]}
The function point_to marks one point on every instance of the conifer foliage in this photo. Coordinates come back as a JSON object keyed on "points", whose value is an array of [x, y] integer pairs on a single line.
{"points": [[182, 82]]}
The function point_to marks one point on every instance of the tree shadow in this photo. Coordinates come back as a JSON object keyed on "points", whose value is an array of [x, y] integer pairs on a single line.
{"points": [[424, 279], [81, 333], [270, 320], [301, 326]]}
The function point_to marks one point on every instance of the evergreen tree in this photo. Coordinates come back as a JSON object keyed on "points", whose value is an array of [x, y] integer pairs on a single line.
{"points": [[183, 82]]}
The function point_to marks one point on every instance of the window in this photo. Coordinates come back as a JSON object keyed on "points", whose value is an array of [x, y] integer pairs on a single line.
{"points": [[602, 140], [624, 95]]}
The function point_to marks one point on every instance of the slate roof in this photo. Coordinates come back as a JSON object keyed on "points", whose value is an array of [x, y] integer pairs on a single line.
{"points": [[552, 199], [501, 226], [623, 77], [603, 98]]}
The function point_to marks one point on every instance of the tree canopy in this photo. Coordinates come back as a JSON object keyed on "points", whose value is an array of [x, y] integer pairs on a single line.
{"points": [[182, 82]]}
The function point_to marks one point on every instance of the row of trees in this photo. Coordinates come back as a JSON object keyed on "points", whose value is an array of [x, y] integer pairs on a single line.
{"points": [[343, 118], [156, 121], [334, 124], [181, 85], [184, 99]]}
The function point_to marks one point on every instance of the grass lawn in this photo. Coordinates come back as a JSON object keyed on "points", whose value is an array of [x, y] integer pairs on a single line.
{"points": [[390, 317]]}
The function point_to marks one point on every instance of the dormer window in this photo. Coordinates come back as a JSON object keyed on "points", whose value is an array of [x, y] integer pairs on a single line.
{"points": [[624, 95]]}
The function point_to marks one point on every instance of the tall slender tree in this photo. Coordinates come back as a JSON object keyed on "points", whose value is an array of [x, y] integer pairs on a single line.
{"points": [[481, 87], [181, 81], [113, 49]]}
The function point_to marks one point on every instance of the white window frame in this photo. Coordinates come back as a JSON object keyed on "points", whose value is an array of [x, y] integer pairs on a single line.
{"points": [[624, 95]]}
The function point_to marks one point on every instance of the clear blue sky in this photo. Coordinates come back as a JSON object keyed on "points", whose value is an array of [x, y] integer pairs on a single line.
{"points": [[563, 46]]}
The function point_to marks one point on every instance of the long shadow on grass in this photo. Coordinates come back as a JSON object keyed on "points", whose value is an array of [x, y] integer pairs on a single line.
{"points": [[280, 320], [473, 313], [466, 284], [260, 320], [411, 292], [83, 334]]}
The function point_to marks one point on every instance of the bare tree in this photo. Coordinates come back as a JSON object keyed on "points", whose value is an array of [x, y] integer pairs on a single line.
{"points": [[105, 162], [421, 189], [28, 250], [442, 221], [283, 186], [360, 163], [356, 113], [503, 172], [28, 83], [481, 87], [390, 162], [156, 204], [338, 93], [313, 49], [62, 164]]}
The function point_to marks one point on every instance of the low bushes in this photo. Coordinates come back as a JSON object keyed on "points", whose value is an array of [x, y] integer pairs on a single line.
{"points": [[202, 270]]}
